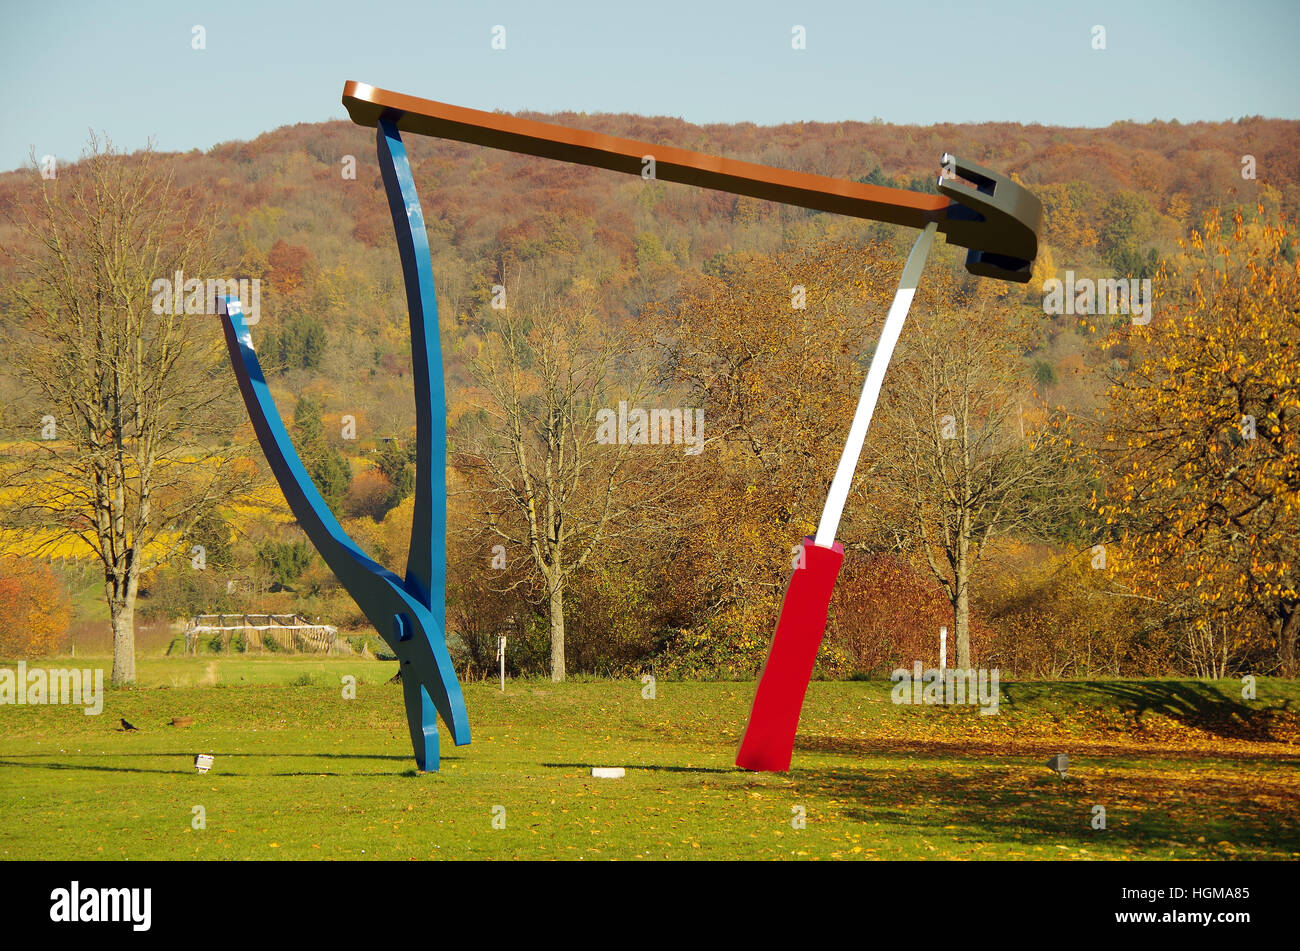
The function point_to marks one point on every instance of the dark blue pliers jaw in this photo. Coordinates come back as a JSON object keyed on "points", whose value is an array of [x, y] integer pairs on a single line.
{"points": [[408, 613]]}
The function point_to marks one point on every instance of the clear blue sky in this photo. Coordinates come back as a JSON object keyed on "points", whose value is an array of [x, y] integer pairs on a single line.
{"points": [[128, 68]]}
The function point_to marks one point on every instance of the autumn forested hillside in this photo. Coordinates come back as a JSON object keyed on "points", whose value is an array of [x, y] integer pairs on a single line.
{"points": [[656, 262], [322, 244]]}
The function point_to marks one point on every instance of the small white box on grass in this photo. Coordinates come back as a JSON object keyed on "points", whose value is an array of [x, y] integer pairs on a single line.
{"points": [[203, 762], [608, 772]]}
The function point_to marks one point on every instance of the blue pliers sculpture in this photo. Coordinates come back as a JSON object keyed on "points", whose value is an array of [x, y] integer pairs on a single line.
{"points": [[408, 613]]}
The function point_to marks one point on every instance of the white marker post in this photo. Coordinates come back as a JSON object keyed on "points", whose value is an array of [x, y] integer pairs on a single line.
{"points": [[943, 649], [501, 656]]}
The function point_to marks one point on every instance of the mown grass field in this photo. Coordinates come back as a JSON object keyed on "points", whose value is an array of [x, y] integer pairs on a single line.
{"points": [[1184, 769]]}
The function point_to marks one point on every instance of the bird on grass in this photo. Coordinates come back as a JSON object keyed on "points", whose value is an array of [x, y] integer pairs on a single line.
{"points": [[128, 728]]}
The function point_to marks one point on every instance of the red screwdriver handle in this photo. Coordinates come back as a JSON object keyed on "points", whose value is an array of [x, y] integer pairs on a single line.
{"points": [[768, 742]]}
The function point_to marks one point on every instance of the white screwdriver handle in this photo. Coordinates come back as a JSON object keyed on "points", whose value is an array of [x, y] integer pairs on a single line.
{"points": [[843, 481]]}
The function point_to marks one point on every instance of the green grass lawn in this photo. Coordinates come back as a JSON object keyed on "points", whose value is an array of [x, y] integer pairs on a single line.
{"points": [[1184, 769]]}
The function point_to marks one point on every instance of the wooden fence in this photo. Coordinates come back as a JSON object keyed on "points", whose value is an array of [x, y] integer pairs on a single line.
{"points": [[289, 632]]}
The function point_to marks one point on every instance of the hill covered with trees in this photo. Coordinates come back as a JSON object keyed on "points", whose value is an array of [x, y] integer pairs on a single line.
{"points": [[683, 298]]}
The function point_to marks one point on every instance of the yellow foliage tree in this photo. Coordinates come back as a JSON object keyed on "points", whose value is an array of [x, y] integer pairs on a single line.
{"points": [[1200, 448]]}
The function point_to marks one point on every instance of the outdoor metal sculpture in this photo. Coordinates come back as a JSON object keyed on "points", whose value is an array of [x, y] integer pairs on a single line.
{"points": [[995, 219], [408, 613]]}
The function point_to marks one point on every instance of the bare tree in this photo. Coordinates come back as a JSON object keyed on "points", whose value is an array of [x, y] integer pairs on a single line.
{"points": [[543, 479], [954, 455], [121, 402]]}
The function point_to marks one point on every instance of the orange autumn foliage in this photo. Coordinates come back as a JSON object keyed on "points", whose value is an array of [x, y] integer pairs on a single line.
{"points": [[34, 608], [887, 614]]}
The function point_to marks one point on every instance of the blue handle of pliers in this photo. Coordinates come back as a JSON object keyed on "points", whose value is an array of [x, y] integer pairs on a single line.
{"points": [[406, 623]]}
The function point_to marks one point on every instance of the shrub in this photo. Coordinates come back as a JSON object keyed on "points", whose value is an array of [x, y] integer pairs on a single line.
{"points": [[368, 496], [34, 608], [886, 614]]}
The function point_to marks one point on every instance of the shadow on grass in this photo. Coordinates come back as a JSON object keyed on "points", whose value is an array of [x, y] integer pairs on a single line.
{"points": [[1014, 748], [1198, 704], [77, 767], [1144, 814], [647, 767], [190, 752], [16, 760]]}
